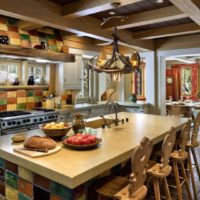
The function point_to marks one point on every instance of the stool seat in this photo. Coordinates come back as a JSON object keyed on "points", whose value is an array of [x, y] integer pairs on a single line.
{"points": [[114, 186], [156, 171], [137, 195], [179, 156], [190, 145]]}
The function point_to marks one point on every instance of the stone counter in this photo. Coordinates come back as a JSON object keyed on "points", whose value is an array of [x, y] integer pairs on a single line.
{"points": [[70, 169]]}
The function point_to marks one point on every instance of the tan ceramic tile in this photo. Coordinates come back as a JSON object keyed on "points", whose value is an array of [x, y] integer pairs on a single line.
{"points": [[63, 102], [45, 93], [11, 107], [3, 27], [11, 94], [11, 193], [21, 31], [21, 100], [25, 174], [30, 99], [14, 41]]}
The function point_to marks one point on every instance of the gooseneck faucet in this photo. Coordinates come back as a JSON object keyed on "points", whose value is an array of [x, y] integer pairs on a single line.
{"points": [[115, 108]]}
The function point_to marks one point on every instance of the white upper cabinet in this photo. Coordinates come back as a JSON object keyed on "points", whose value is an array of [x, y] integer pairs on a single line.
{"points": [[73, 74]]}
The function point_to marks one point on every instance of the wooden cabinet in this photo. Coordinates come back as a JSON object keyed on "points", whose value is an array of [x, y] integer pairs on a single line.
{"points": [[73, 74]]}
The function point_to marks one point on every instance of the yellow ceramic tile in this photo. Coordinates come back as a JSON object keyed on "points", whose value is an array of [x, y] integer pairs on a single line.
{"points": [[21, 31], [3, 27], [63, 102], [35, 39], [11, 107], [11, 193], [25, 174], [30, 99], [14, 41], [45, 93], [11, 94], [21, 100]]}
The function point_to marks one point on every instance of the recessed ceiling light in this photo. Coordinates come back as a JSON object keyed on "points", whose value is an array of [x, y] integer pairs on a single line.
{"points": [[159, 1]]}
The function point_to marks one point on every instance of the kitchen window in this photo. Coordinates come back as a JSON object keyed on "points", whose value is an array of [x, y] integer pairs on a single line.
{"points": [[8, 72], [37, 70]]}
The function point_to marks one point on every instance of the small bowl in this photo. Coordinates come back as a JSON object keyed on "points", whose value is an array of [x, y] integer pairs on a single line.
{"points": [[56, 133], [18, 138]]}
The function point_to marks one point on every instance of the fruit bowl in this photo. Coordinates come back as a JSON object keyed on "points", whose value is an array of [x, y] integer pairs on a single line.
{"points": [[81, 141], [55, 131]]}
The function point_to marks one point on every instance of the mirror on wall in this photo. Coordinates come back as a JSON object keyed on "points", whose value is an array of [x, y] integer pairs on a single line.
{"points": [[186, 81]]}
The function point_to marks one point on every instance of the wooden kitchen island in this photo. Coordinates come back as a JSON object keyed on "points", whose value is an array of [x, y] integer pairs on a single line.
{"points": [[66, 174]]}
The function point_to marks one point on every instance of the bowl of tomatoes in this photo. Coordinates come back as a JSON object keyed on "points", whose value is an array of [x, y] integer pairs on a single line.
{"points": [[82, 141]]}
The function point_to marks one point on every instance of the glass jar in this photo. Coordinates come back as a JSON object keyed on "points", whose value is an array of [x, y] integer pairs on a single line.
{"points": [[31, 80], [78, 123]]}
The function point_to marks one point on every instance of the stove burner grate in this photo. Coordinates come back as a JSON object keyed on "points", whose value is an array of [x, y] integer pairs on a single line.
{"points": [[4, 114]]}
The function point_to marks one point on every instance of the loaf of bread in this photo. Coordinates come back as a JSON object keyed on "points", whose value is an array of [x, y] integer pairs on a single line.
{"points": [[37, 142]]}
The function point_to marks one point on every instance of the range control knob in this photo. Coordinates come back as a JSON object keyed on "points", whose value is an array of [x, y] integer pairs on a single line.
{"points": [[9, 123], [41, 119], [35, 120], [24, 121], [28, 120], [14, 122], [18, 123]]}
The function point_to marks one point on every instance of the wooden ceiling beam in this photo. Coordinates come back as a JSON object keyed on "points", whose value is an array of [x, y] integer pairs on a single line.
{"points": [[149, 17], [190, 8], [27, 26], [182, 29], [49, 14], [87, 7]]}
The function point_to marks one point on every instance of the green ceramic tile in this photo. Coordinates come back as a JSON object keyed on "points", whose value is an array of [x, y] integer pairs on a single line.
{"points": [[24, 37], [12, 21], [30, 93], [3, 101], [22, 196], [21, 106], [53, 48], [38, 99], [61, 190], [11, 179], [2, 175], [2, 163], [51, 36]]}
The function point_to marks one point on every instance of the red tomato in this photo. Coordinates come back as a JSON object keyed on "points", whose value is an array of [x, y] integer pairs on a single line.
{"points": [[92, 139]]}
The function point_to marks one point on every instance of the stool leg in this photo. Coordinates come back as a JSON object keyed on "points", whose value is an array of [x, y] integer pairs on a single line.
{"points": [[177, 178], [167, 189], [186, 180], [192, 175], [196, 162], [156, 188]]}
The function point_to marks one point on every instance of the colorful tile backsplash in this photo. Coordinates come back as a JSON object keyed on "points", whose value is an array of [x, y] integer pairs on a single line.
{"points": [[21, 99], [28, 39]]}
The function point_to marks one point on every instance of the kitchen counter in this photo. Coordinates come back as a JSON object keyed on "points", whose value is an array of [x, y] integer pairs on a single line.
{"points": [[72, 168]]}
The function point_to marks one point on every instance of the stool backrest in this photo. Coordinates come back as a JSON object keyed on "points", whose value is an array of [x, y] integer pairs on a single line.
{"points": [[185, 136], [195, 129], [167, 146], [177, 110], [139, 159]]}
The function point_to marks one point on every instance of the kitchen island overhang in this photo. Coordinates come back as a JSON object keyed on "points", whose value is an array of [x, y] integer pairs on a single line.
{"points": [[72, 168]]}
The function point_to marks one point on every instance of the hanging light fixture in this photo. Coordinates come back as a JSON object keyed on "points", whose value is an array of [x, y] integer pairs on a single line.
{"points": [[116, 64]]}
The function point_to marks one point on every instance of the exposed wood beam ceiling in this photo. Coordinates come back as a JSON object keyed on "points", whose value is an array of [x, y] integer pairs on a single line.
{"points": [[182, 29], [149, 17], [189, 7], [49, 14], [88, 7]]}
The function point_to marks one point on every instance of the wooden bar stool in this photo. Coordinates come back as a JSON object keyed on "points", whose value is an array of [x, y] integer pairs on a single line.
{"points": [[134, 188], [161, 170], [178, 157]]}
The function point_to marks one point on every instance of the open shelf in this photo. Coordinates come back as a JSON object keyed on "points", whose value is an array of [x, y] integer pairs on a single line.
{"points": [[23, 87], [36, 53]]}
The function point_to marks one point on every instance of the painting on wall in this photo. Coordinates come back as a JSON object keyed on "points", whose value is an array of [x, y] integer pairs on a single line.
{"points": [[186, 81]]}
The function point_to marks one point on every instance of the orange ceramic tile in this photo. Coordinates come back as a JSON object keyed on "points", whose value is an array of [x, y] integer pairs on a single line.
{"points": [[3, 107], [12, 28], [38, 92], [30, 105], [26, 43], [64, 97], [11, 193], [52, 42], [25, 187], [11, 94], [13, 34], [2, 20], [55, 197], [12, 100], [3, 95], [3, 32], [21, 99], [11, 107], [21, 93]]}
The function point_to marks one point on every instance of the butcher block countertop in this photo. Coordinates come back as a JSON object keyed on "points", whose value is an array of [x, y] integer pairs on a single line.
{"points": [[72, 167]]}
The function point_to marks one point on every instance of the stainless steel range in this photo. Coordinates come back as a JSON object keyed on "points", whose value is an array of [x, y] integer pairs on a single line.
{"points": [[17, 121]]}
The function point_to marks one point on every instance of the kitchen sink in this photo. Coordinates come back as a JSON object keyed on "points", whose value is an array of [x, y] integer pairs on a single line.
{"points": [[97, 123]]}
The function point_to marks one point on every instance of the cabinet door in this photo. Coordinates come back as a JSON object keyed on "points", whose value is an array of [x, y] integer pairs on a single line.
{"points": [[73, 74]]}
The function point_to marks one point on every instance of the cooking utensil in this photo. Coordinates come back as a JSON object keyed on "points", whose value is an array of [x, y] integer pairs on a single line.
{"points": [[38, 150]]}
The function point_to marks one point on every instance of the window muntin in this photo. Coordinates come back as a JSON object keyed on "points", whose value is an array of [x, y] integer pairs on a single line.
{"points": [[36, 70]]}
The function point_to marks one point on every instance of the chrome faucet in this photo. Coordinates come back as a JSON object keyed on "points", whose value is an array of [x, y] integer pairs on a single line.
{"points": [[115, 108]]}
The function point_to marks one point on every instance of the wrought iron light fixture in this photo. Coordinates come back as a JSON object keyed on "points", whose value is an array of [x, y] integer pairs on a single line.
{"points": [[118, 63]]}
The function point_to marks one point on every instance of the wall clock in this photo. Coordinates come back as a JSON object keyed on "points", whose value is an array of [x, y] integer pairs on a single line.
{"points": [[170, 80]]}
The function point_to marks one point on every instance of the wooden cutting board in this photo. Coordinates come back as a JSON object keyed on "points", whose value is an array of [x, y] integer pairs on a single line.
{"points": [[35, 154]]}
